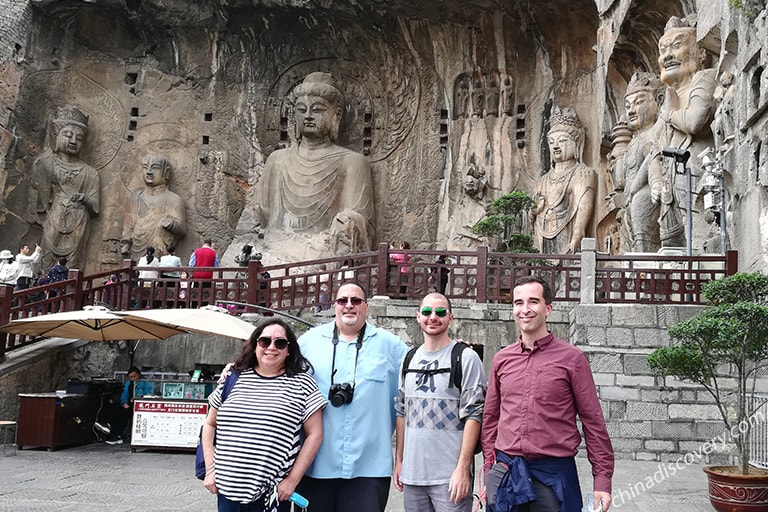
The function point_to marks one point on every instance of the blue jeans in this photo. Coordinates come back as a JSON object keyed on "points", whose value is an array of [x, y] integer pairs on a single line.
{"points": [[225, 505]]}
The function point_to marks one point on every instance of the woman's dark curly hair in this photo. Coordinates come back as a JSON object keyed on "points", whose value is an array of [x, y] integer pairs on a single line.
{"points": [[295, 362]]}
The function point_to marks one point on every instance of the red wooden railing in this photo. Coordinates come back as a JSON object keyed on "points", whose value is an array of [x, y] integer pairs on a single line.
{"points": [[480, 275]]}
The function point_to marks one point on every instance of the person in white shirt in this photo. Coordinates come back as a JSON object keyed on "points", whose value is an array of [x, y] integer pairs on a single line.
{"points": [[25, 262], [170, 260], [9, 269]]}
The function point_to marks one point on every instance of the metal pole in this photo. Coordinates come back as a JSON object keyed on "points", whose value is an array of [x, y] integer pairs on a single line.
{"points": [[723, 229], [689, 214]]}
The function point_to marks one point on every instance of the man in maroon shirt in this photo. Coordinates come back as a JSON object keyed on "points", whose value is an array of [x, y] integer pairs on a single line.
{"points": [[536, 388]]}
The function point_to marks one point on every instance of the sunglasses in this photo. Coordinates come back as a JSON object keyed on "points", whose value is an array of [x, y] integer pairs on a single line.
{"points": [[356, 301], [265, 342], [440, 312]]}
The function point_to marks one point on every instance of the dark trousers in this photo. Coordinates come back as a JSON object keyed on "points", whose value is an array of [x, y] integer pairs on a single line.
{"points": [[22, 283], [225, 505], [546, 501], [345, 494]]}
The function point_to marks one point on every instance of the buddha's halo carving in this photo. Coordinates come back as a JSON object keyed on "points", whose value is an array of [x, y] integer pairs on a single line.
{"points": [[44, 91], [379, 110]]}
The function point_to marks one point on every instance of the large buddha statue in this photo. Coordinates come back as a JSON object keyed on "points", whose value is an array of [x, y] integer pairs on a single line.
{"points": [[155, 216], [565, 195], [66, 190], [316, 197]]}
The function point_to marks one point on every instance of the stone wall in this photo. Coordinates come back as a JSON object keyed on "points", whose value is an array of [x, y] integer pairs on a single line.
{"points": [[649, 418], [15, 19]]}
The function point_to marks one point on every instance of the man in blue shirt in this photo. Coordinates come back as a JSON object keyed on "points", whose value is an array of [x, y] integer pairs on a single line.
{"points": [[123, 417], [357, 365]]}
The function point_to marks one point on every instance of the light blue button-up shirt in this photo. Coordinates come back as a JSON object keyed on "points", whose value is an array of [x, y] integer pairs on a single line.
{"points": [[357, 437]]}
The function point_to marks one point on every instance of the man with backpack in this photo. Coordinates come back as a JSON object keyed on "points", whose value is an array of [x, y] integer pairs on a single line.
{"points": [[439, 406]]}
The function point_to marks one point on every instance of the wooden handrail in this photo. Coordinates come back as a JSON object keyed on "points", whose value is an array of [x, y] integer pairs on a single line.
{"points": [[479, 275]]}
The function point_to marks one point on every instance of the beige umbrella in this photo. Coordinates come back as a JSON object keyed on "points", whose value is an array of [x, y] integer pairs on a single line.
{"points": [[91, 323], [208, 319]]}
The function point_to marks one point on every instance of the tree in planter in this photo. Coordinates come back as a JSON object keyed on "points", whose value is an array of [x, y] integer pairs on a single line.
{"points": [[504, 222], [733, 331]]}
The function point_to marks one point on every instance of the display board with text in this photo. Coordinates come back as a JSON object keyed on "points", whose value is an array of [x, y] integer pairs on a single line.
{"points": [[162, 423]]}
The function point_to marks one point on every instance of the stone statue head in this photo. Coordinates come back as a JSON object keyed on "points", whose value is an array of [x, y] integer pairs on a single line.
{"points": [[680, 55], [475, 182], [645, 94], [70, 128], [155, 169], [565, 125], [327, 111]]}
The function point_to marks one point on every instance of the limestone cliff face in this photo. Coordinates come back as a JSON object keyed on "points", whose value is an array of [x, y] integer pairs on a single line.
{"points": [[432, 89]]}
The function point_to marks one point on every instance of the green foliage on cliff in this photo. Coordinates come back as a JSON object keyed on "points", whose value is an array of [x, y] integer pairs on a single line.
{"points": [[504, 220]]}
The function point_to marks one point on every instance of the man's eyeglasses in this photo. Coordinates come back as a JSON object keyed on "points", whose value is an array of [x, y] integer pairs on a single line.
{"points": [[440, 312], [356, 301], [265, 342]]}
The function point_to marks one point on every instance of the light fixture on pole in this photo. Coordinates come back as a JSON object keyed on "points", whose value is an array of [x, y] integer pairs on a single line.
{"points": [[714, 186], [681, 156]]}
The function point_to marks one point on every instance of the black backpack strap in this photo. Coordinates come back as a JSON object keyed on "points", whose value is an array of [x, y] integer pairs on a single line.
{"points": [[407, 360], [427, 371], [456, 372]]}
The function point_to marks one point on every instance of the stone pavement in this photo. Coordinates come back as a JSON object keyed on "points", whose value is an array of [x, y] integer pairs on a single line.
{"points": [[98, 478]]}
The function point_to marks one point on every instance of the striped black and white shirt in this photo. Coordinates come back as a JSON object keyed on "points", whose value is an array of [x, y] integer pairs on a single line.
{"points": [[257, 431]]}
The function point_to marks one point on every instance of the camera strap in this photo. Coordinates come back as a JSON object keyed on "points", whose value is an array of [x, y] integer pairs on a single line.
{"points": [[358, 346]]}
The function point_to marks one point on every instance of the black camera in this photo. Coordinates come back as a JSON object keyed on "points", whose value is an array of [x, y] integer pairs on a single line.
{"points": [[341, 394]]}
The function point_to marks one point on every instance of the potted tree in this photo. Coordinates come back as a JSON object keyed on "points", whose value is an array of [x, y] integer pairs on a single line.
{"points": [[504, 225], [723, 349]]}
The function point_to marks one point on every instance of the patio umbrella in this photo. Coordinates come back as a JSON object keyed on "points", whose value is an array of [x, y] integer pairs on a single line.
{"points": [[208, 320], [93, 323]]}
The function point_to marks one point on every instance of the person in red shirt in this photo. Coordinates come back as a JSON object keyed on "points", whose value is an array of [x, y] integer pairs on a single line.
{"points": [[205, 256], [536, 388]]}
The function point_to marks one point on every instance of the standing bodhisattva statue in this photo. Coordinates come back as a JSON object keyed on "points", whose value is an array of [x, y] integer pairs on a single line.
{"points": [[640, 220], [565, 195], [67, 190], [316, 197]]}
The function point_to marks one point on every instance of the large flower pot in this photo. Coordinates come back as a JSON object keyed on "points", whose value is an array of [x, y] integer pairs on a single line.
{"points": [[730, 491]]}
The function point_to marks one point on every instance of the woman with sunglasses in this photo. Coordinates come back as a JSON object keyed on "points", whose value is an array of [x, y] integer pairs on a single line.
{"points": [[258, 458]]}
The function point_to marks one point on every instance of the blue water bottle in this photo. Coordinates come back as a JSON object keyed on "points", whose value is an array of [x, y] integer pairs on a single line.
{"points": [[590, 505], [299, 500]]}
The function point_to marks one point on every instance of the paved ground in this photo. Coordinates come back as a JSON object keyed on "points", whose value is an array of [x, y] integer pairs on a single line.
{"points": [[99, 478]]}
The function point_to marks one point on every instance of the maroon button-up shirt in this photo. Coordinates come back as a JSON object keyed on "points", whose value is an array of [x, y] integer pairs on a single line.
{"points": [[532, 402]]}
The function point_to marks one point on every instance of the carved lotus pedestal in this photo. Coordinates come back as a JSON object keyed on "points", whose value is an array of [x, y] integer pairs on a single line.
{"points": [[730, 491]]}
